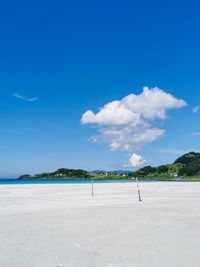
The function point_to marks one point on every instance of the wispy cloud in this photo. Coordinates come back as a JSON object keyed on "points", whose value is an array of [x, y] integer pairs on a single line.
{"points": [[173, 151], [25, 98], [196, 109], [21, 131], [195, 134], [178, 151]]}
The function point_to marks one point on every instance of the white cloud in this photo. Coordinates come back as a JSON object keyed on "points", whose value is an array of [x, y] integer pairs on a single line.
{"points": [[196, 109], [150, 104], [127, 124], [128, 138], [24, 98], [135, 161]]}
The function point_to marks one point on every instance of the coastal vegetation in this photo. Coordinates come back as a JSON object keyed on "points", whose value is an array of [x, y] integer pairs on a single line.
{"points": [[186, 167], [61, 173]]}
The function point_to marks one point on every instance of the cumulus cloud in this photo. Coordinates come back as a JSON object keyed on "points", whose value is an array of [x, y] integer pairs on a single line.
{"points": [[150, 104], [128, 138], [127, 124], [24, 98], [196, 109], [135, 161]]}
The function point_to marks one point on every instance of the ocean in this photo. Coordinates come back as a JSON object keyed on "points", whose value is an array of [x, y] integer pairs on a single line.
{"points": [[61, 181]]}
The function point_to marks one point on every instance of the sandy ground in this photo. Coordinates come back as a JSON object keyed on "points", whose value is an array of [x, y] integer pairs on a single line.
{"points": [[53, 225]]}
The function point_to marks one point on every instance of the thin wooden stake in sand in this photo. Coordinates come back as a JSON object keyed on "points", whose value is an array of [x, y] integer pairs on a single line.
{"points": [[92, 187], [138, 189]]}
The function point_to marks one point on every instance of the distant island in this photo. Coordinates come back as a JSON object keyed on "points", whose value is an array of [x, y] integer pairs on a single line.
{"points": [[186, 167]]}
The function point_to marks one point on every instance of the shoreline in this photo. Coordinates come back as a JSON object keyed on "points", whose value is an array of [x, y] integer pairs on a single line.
{"points": [[88, 181]]}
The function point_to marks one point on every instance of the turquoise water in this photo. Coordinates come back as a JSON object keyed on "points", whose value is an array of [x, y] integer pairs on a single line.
{"points": [[59, 181], [73, 181]]}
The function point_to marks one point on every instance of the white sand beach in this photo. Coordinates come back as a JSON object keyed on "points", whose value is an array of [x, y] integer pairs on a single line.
{"points": [[51, 225]]}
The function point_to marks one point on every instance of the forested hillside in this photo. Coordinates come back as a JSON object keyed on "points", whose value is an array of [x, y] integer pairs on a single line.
{"points": [[185, 166], [59, 174]]}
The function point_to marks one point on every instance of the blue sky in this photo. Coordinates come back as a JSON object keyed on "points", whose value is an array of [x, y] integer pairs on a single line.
{"points": [[60, 59]]}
